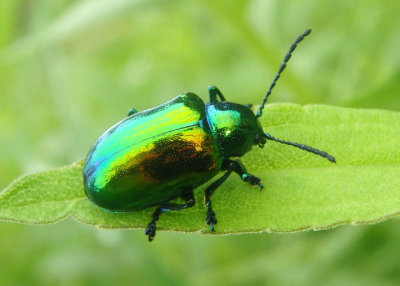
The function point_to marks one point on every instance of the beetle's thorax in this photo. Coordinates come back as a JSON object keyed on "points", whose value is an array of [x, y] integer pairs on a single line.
{"points": [[234, 127]]}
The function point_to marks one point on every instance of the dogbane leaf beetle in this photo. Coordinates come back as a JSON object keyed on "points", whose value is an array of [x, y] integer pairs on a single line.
{"points": [[163, 153]]}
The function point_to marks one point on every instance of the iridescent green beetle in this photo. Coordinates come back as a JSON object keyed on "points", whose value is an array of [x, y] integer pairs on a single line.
{"points": [[160, 154]]}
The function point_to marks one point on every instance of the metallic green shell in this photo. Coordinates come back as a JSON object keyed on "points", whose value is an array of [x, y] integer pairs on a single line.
{"points": [[152, 156], [235, 128]]}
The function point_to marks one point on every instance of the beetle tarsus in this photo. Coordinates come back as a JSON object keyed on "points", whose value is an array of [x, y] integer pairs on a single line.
{"points": [[212, 229], [151, 230], [237, 167], [252, 180], [210, 216], [211, 219], [188, 196]]}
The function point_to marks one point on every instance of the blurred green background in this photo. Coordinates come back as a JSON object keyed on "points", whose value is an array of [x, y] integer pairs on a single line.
{"points": [[69, 69]]}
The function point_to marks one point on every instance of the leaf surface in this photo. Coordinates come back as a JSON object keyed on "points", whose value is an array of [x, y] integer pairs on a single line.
{"points": [[302, 191]]}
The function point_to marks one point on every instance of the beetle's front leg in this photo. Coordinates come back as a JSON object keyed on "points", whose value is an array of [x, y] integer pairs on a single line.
{"points": [[214, 92], [151, 227], [237, 167]]}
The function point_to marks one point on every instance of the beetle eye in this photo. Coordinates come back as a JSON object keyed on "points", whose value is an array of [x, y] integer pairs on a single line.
{"points": [[260, 140]]}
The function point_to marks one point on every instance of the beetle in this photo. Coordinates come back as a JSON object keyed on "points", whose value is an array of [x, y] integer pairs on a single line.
{"points": [[163, 153]]}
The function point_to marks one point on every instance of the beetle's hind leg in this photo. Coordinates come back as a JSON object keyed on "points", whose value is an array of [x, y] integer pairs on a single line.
{"points": [[132, 111], [151, 227]]}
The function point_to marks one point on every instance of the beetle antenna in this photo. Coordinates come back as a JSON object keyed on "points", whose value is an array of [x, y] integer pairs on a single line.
{"points": [[281, 69], [303, 147]]}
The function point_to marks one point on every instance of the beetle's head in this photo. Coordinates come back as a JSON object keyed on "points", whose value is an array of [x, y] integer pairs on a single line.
{"points": [[235, 128]]}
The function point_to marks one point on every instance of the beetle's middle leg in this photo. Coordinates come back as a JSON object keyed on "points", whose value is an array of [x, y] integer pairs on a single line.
{"points": [[151, 227], [211, 220], [230, 166]]}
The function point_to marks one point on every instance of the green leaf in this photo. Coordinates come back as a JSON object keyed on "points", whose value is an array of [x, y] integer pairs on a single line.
{"points": [[302, 191]]}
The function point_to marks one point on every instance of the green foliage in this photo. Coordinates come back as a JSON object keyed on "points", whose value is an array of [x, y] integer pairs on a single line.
{"points": [[302, 191], [70, 68]]}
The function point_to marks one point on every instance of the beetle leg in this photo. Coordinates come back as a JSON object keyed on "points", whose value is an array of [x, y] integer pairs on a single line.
{"points": [[210, 216], [214, 92], [131, 111], [151, 227], [237, 167]]}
